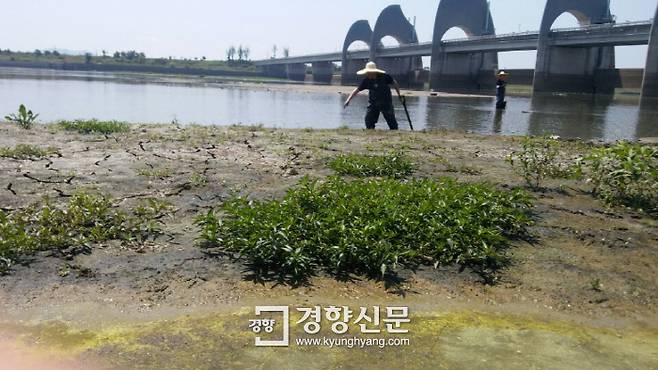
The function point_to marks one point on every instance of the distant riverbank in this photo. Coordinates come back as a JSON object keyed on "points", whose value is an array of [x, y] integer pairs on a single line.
{"points": [[140, 68]]}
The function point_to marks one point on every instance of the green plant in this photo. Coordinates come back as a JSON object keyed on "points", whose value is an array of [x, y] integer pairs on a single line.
{"points": [[198, 180], [625, 174], [69, 228], [94, 126], [147, 217], [394, 165], [541, 158], [24, 119], [155, 172], [596, 285], [23, 151], [370, 226]]}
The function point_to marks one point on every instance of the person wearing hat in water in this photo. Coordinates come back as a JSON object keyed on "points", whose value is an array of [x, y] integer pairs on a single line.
{"points": [[380, 100], [501, 86]]}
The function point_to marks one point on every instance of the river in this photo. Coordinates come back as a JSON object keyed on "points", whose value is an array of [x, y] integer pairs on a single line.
{"points": [[59, 95]]}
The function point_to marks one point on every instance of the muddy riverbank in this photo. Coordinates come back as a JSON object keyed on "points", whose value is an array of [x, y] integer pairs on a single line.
{"points": [[587, 275]]}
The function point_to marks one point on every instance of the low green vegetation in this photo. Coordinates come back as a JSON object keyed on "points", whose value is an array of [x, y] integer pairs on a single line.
{"points": [[541, 158], [393, 165], [161, 173], [370, 226], [24, 118], [24, 151], [70, 228], [625, 174], [130, 58], [198, 180], [94, 126]]}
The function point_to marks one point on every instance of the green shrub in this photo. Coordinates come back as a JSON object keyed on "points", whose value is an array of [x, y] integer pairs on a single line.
{"points": [[71, 227], [24, 118], [94, 126], [155, 172], [541, 158], [23, 151], [370, 226], [625, 174], [393, 165]]}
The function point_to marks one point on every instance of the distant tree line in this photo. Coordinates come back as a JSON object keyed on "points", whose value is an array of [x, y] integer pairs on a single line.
{"points": [[241, 52], [36, 53], [130, 56], [275, 49], [237, 57]]}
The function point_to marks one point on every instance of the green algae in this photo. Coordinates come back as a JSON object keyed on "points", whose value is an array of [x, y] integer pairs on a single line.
{"points": [[455, 340]]}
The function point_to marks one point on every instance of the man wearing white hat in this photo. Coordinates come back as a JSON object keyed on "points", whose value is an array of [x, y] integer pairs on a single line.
{"points": [[501, 86], [380, 100]]}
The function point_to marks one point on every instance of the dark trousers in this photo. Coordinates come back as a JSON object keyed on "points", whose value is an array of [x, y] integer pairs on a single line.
{"points": [[372, 116]]}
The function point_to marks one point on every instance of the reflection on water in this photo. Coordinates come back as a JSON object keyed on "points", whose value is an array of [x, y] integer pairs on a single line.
{"points": [[567, 116]]}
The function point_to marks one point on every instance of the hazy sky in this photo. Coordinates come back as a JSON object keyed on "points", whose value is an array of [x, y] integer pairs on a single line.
{"points": [[195, 28]]}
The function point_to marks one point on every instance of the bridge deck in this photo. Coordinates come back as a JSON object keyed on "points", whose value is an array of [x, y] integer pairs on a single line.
{"points": [[621, 34]]}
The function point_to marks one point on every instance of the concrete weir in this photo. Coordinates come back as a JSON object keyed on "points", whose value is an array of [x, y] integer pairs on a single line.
{"points": [[392, 22], [360, 31], [569, 60], [575, 69], [323, 72], [650, 82], [463, 72], [296, 71]]}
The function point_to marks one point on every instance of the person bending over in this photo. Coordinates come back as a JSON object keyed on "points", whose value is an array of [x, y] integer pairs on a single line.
{"points": [[380, 100]]}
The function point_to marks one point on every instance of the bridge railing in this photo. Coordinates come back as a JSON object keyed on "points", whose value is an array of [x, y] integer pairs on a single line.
{"points": [[598, 26], [566, 29], [491, 37]]}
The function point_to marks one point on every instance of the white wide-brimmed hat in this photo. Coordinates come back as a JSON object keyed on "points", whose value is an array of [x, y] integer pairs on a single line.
{"points": [[371, 67], [503, 73]]}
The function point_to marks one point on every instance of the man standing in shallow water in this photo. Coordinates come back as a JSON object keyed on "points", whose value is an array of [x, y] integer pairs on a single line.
{"points": [[380, 100]]}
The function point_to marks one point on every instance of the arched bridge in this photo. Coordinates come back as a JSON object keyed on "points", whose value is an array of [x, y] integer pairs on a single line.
{"points": [[579, 59]]}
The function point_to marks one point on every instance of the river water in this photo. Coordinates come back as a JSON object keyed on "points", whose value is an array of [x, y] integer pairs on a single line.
{"points": [[71, 95]]}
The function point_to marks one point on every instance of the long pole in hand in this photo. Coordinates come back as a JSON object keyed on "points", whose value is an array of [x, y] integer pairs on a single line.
{"points": [[404, 104]]}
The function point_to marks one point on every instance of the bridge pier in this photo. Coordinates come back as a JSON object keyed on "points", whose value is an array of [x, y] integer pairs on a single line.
{"points": [[275, 71], [359, 31], [349, 69], [392, 22], [650, 81], [404, 70], [463, 72], [296, 71], [323, 72], [575, 69]]}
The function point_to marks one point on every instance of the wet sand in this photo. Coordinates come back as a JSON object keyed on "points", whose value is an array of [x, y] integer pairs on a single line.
{"points": [[143, 305]]}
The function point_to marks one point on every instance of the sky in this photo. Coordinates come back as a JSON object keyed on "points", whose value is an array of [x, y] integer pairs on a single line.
{"points": [[196, 28]]}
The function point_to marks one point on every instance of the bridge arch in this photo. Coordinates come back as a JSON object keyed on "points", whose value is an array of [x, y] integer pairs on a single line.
{"points": [[463, 72], [650, 82], [582, 70], [392, 22], [359, 31], [586, 12]]}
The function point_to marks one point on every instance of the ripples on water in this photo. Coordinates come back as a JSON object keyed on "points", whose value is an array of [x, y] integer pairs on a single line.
{"points": [[67, 95]]}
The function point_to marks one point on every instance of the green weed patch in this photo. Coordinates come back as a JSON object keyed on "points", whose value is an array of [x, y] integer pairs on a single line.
{"points": [[370, 226], [625, 174], [393, 165], [541, 158], [94, 126], [71, 228], [23, 151]]}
